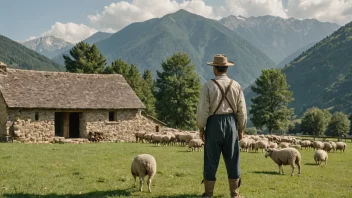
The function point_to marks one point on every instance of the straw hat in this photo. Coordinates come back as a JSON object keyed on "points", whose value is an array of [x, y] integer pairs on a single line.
{"points": [[220, 60]]}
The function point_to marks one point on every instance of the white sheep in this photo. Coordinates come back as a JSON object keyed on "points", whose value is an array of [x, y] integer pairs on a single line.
{"points": [[244, 144], [142, 165], [306, 144], [157, 139], [320, 156], [262, 144], [327, 147], [286, 156], [341, 146], [272, 145], [195, 144], [296, 146], [284, 145], [318, 145], [333, 145]]}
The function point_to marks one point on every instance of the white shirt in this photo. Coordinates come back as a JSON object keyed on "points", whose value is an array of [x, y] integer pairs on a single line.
{"points": [[210, 97]]}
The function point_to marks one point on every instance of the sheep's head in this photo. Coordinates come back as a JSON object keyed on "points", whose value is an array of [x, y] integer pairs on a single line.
{"points": [[268, 152]]}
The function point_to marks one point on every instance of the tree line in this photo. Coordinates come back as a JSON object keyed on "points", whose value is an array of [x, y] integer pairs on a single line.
{"points": [[173, 95]]}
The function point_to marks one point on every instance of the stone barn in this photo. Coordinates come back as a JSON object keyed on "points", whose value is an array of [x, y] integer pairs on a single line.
{"points": [[36, 106]]}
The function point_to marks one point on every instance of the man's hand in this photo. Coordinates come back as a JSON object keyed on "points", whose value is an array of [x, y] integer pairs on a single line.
{"points": [[240, 135], [202, 135]]}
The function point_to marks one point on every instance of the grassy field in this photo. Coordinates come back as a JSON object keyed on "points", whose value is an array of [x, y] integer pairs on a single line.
{"points": [[103, 170]]}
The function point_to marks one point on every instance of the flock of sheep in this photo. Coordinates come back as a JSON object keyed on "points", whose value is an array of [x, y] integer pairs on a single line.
{"points": [[172, 137], [283, 150]]}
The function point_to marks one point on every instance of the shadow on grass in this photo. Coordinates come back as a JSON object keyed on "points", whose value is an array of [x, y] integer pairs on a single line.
{"points": [[184, 151], [180, 196], [266, 172], [96, 194], [310, 164]]}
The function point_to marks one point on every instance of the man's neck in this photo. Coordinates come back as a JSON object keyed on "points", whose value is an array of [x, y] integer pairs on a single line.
{"points": [[220, 74]]}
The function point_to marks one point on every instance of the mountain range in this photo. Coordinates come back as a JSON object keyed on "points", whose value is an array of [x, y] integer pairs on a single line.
{"points": [[278, 37], [16, 55], [322, 76], [147, 44], [48, 46]]}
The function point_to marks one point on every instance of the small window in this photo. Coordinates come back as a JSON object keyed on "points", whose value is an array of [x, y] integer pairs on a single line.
{"points": [[112, 116], [36, 115], [157, 128]]}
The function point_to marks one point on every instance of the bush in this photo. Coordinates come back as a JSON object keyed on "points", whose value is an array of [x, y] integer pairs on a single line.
{"points": [[251, 131]]}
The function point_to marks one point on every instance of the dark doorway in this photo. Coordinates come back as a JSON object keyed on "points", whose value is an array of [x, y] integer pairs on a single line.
{"points": [[74, 125], [59, 124]]}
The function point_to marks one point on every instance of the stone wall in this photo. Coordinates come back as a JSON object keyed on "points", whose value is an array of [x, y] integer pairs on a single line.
{"points": [[127, 123], [27, 129], [3, 116]]}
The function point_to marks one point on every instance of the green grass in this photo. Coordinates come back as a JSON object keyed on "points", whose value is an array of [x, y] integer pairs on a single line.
{"points": [[103, 170]]}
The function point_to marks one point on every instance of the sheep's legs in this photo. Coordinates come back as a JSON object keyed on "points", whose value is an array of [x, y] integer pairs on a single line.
{"points": [[281, 169], [299, 169], [141, 179], [293, 169], [135, 180], [148, 183]]}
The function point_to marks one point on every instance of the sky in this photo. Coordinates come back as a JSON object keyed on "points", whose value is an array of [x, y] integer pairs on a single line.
{"points": [[75, 20]]}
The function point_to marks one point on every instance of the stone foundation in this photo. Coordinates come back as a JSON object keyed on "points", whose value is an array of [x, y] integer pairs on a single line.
{"points": [[23, 126], [26, 129]]}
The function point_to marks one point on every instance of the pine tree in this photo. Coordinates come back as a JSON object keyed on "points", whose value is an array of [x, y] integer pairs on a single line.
{"points": [[315, 121], [142, 86], [134, 79], [85, 59], [177, 92], [339, 125], [269, 107], [148, 92]]}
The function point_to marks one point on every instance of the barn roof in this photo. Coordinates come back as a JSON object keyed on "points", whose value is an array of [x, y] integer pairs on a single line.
{"points": [[62, 90]]}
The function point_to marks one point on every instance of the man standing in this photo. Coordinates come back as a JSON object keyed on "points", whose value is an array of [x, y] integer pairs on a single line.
{"points": [[221, 112]]}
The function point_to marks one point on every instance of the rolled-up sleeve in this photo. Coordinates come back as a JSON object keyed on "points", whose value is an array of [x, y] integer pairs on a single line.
{"points": [[203, 107], [241, 112]]}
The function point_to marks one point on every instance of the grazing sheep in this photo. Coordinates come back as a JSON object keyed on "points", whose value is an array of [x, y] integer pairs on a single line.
{"points": [[157, 139], [319, 156], [272, 145], [318, 145], [261, 144], [341, 146], [142, 165], [284, 145], [296, 146], [244, 144], [333, 145], [148, 137], [139, 136], [251, 144], [327, 147], [195, 144], [286, 156], [306, 144], [184, 138]]}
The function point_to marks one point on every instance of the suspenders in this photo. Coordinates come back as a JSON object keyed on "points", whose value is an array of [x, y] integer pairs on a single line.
{"points": [[224, 93]]}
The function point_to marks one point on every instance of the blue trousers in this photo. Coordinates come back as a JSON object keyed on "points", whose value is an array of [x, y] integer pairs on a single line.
{"points": [[221, 136]]}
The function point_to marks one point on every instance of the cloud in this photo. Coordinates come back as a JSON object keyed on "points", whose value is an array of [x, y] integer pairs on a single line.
{"points": [[337, 11], [70, 32], [118, 15], [248, 8]]}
